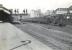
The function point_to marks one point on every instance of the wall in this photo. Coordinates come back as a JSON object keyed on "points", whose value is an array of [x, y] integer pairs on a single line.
{"points": [[17, 17]]}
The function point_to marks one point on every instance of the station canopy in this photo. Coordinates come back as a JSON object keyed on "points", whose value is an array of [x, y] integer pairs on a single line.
{"points": [[2, 8]]}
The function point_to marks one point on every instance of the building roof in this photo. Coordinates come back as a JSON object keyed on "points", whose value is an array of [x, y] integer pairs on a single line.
{"points": [[4, 9], [70, 7], [61, 9]]}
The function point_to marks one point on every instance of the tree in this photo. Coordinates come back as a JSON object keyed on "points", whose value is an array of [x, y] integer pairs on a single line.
{"points": [[15, 11], [24, 11], [18, 11]]}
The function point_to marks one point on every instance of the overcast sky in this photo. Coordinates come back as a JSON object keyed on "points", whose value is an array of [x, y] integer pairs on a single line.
{"points": [[36, 4]]}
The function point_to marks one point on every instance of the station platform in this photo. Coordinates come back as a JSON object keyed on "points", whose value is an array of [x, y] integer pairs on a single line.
{"points": [[12, 38]]}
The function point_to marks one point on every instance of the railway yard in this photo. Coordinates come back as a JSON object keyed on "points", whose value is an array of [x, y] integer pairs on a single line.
{"points": [[54, 37], [50, 32], [33, 36], [12, 38]]}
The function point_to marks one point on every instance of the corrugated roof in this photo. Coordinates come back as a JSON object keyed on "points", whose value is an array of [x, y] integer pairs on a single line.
{"points": [[62, 9], [5, 9]]}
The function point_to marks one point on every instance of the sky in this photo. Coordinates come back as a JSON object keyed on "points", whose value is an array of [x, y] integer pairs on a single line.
{"points": [[36, 4]]}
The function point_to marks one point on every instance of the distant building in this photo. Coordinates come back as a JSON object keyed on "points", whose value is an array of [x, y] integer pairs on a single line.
{"points": [[17, 17], [70, 9], [36, 13], [61, 11], [49, 13]]}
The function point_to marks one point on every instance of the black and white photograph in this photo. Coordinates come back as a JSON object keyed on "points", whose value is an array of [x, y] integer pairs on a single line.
{"points": [[35, 24]]}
